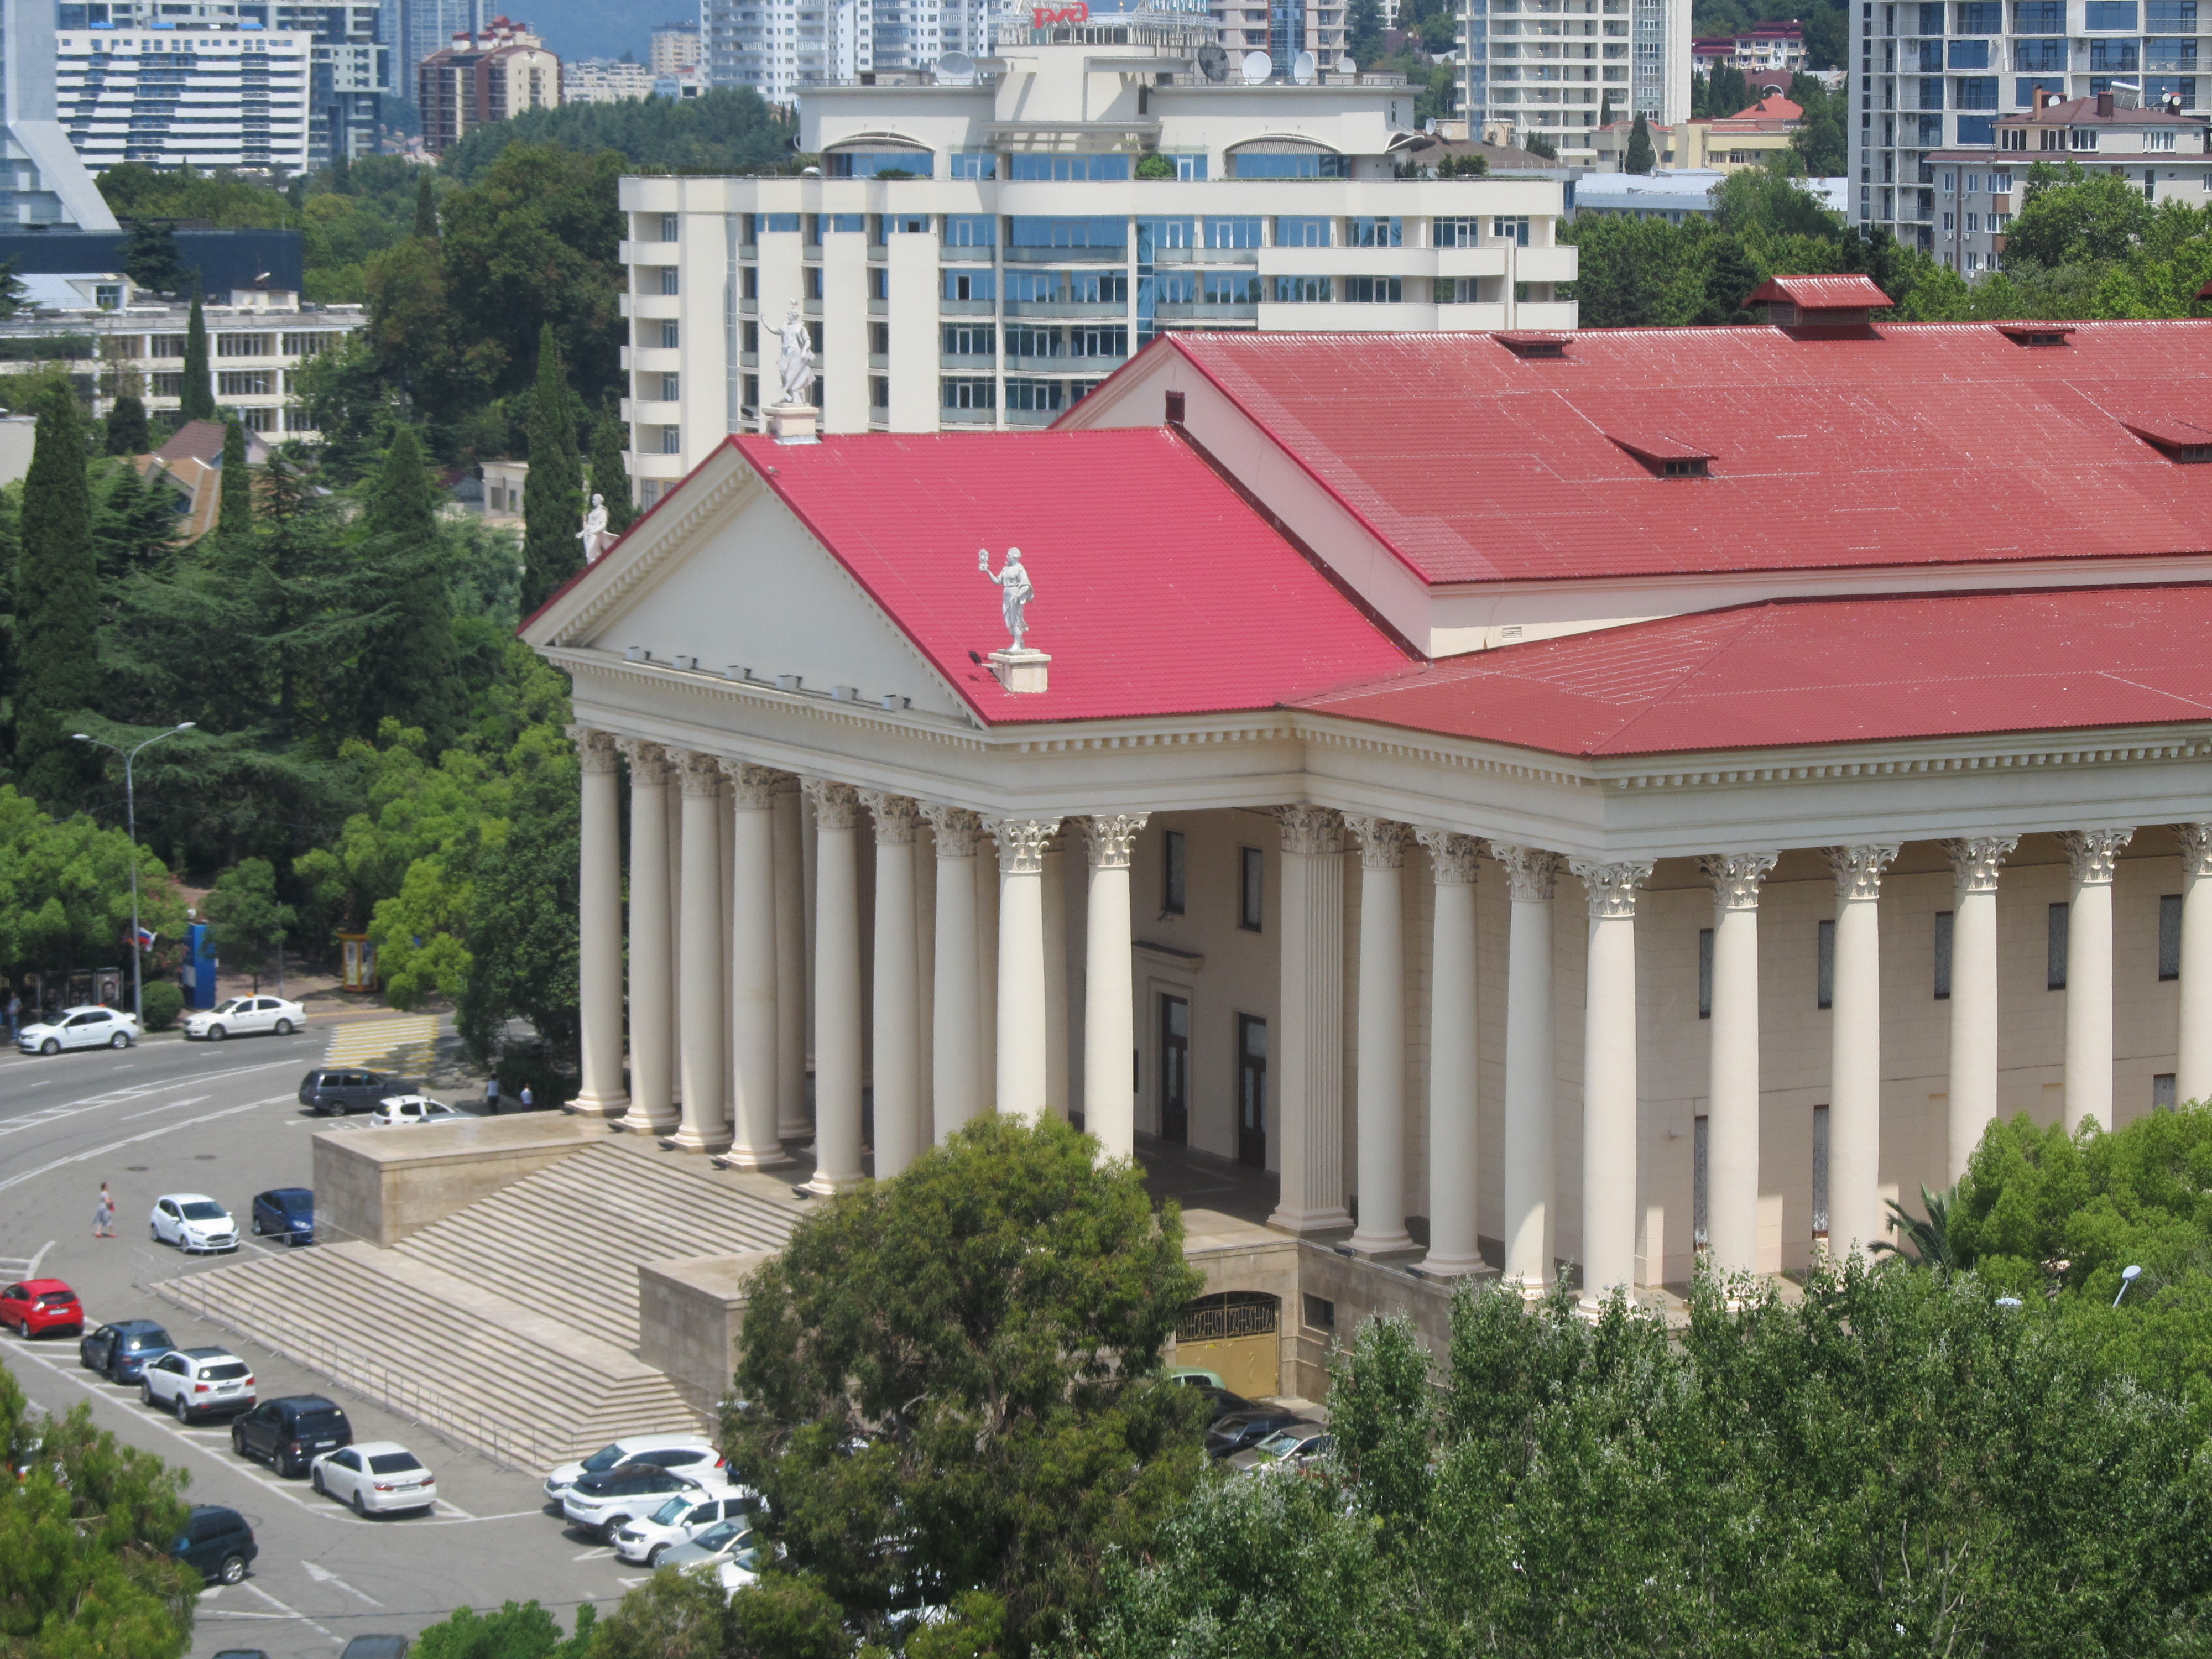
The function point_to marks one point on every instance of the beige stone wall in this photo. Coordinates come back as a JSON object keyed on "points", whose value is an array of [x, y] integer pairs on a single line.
{"points": [[381, 1185], [690, 1310]]}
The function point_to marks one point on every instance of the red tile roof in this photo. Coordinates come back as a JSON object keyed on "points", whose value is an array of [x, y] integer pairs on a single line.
{"points": [[1917, 444], [1158, 591], [1774, 107], [1822, 293], [1788, 673]]}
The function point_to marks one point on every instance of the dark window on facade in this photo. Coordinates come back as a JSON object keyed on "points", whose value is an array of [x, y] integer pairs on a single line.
{"points": [[1251, 1091], [1825, 973], [1320, 1313], [1700, 1211], [1251, 887], [1705, 973], [1171, 872], [2169, 936], [1819, 1172], [2054, 965], [1942, 956], [2162, 1096]]}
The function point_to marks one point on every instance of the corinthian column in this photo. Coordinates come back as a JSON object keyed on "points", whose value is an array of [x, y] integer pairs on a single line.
{"points": [[1855, 1208], [2094, 855], [652, 1016], [1381, 1130], [1531, 873], [598, 926], [1452, 1120], [1732, 1087], [793, 1122], [753, 1143], [899, 1135], [1022, 1047], [955, 1043], [1310, 1092], [2192, 1071], [1974, 864], [1109, 996], [1609, 1087], [836, 988], [699, 946]]}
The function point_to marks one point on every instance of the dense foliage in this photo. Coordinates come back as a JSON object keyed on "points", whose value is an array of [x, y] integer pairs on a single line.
{"points": [[721, 130], [1827, 26]]}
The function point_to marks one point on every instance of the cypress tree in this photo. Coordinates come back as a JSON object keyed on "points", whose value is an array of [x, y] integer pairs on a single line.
{"points": [[126, 427], [426, 209], [199, 391], [610, 477], [235, 521], [553, 493], [407, 666], [1640, 156], [58, 610]]}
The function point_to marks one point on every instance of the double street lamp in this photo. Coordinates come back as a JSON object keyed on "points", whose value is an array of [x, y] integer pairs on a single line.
{"points": [[130, 818]]}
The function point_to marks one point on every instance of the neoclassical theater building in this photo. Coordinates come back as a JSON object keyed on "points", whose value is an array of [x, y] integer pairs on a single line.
{"points": [[1558, 803]]}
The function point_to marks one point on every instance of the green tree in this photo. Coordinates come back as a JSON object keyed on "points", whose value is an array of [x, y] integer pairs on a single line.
{"points": [[65, 887], [1640, 157], [126, 427], [517, 1631], [610, 477], [197, 394], [553, 492], [1153, 165], [426, 209], [1730, 277], [672, 1615], [252, 923], [521, 934], [966, 1358], [1382, 1414], [58, 608], [235, 518], [407, 668], [2069, 217], [786, 1617], [133, 521], [719, 131], [1363, 31], [151, 258]]}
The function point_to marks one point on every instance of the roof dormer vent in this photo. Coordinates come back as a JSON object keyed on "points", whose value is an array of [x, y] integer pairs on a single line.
{"points": [[1522, 342], [1667, 458], [2034, 334], [1820, 305], [2178, 441]]}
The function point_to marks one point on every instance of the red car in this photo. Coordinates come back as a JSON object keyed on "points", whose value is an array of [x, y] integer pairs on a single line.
{"points": [[35, 1306]]}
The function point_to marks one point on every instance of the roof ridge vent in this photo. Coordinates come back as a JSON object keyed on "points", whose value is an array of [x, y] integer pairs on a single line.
{"points": [[1528, 342], [1665, 457], [2035, 334], [1819, 306]]}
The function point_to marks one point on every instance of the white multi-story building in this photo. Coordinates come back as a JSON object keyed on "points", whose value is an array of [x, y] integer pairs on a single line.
{"points": [[1553, 68], [43, 183], [979, 249], [777, 46], [602, 81], [677, 46], [188, 92]]}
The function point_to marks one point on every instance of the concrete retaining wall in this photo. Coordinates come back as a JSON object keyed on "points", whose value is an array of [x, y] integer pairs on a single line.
{"points": [[381, 1185], [690, 1310]]}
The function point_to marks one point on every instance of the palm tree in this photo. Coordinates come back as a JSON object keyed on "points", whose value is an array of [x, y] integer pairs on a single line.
{"points": [[1925, 1243]]}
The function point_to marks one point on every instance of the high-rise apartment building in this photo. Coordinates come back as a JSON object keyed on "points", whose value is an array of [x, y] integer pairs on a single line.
{"points": [[1283, 29], [43, 183], [675, 47], [413, 29], [777, 46], [349, 68], [601, 81], [1559, 70], [983, 244], [186, 92], [481, 78]]}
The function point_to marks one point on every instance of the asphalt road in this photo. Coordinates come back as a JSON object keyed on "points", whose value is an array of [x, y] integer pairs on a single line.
{"points": [[223, 1119]]}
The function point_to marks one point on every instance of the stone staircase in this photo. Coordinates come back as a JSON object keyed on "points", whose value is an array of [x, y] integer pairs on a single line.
{"points": [[509, 1325]]}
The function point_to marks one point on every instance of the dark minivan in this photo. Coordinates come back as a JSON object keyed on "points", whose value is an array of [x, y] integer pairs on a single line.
{"points": [[119, 1352], [218, 1542], [345, 1091], [288, 1434]]}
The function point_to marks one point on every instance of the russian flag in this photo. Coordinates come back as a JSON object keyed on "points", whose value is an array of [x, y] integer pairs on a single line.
{"points": [[146, 939]]}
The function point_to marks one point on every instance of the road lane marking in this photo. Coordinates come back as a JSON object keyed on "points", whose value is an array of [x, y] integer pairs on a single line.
{"points": [[592, 1555], [132, 1140], [290, 1612], [132, 1117], [323, 1575]]}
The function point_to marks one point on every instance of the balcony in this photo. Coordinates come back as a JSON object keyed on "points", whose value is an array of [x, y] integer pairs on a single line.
{"points": [[1108, 311], [959, 364], [1033, 418], [1207, 312], [1068, 256], [968, 416], [1205, 256], [969, 307]]}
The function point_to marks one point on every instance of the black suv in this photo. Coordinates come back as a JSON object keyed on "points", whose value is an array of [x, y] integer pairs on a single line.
{"points": [[119, 1352], [218, 1542], [345, 1091], [288, 1434]]}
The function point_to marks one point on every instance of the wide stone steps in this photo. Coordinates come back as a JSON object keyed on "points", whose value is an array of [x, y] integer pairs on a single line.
{"points": [[566, 1239], [447, 1351]]}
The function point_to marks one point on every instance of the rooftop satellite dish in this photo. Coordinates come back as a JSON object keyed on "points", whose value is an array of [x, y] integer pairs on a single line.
{"points": [[1213, 62], [1346, 66], [1303, 70], [956, 69], [1258, 66]]}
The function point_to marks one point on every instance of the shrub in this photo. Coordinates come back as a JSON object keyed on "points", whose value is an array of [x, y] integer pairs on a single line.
{"points": [[162, 1000]]}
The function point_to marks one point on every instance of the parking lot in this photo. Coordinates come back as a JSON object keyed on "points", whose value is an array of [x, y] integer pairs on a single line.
{"points": [[222, 1120]]}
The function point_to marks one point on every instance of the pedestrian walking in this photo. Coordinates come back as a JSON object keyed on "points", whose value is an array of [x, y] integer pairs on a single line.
{"points": [[14, 1015], [103, 1215], [491, 1096], [529, 1100]]}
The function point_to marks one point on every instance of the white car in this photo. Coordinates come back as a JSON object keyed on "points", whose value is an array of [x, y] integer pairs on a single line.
{"points": [[397, 1111], [732, 1550], [240, 1016], [376, 1477], [683, 1452], [79, 1028], [194, 1221], [645, 1539], [193, 1382]]}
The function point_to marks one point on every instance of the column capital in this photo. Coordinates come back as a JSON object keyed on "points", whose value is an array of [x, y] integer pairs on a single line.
{"points": [[1611, 887], [1109, 839], [597, 752], [754, 788], [1975, 860], [1735, 877], [1530, 871], [2196, 840], [1022, 843], [649, 764], [1382, 841], [897, 817], [701, 774], [1311, 830], [956, 829], [1452, 856], [836, 805], [2093, 855], [1859, 869]]}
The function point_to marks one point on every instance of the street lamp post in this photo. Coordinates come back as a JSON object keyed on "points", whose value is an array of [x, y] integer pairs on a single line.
{"points": [[130, 820]]}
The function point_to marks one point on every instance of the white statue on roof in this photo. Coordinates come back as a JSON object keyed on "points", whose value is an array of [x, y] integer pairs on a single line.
{"points": [[1015, 590], [796, 365], [593, 535]]}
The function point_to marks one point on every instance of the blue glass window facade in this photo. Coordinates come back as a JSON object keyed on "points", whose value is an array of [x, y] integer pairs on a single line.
{"points": [[1976, 92], [1364, 232], [1235, 233], [1977, 130], [1981, 17], [1970, 54], [1064, 169], [1249, 164], [874, 163], [2106, 56], [975, 164], [1931, 17], [2024, 89], [971, 229], [2108, 14], [2171, 16], [2038, 17], [1101, 231], [1304, 232], [2039, 57], [2169, 55]]}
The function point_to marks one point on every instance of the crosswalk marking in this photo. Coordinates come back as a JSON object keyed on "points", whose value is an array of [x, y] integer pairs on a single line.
{"points": [[386, 1045]]}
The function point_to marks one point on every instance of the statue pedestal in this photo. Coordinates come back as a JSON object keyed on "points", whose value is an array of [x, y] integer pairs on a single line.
{"points": [[1021, 671], [793, 423]]}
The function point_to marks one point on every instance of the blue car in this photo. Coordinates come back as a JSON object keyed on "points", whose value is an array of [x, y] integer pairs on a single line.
{"points": [[285, 1213], [119, 1352]]}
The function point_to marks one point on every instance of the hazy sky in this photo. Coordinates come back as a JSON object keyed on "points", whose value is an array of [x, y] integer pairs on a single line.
{"points": [[597, 29]]}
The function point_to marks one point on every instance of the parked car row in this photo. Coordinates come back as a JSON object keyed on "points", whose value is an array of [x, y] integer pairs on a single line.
{"points": [[665, 1500], [195, 1222], [95, 1025]]}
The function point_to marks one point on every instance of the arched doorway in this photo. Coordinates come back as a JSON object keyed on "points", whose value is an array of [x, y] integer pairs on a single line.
{"points": [[1236, 1335]]}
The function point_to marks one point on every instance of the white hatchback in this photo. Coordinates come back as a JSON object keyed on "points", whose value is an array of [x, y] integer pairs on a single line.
{"points": [[194, 1221], [399, 1111], [193, 1382], [376, 1477], [241, 1015], [79, 1028], [692, 1454], [644, 1538]]}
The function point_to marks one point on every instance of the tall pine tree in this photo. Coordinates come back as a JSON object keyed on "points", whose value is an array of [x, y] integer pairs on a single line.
{"points": [[407, 667], [126, 427], [426, 208], [553, 493], [1640, 157], [236, 517], [58, 610], [197, 389], [610, 475]]}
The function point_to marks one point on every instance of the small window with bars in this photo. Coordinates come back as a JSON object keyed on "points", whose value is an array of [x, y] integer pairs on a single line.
{"points": [[1172, 890], [1251, 887], [1943, 920], [1825, 970], [1705, 973], [2054, 939], [2169, 936]]}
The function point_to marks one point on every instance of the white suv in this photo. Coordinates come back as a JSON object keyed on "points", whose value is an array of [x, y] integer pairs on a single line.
{"points": [[192, 1382], [684, 1453], [678, 1520]]}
